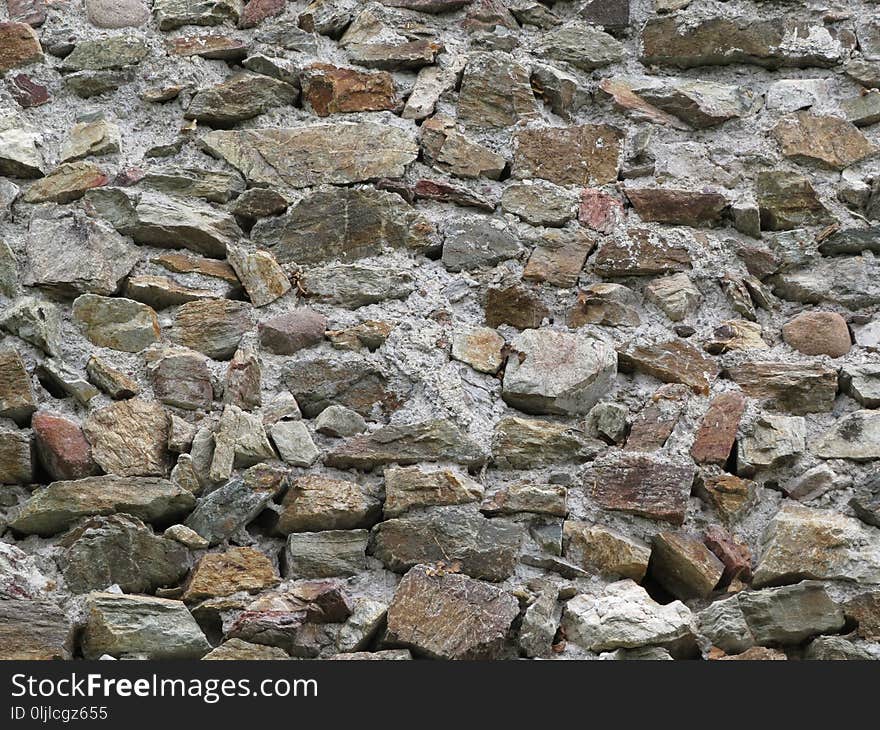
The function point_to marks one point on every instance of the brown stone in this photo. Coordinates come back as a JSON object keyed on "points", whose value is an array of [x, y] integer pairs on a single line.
{"points": [[643, 485], [677, 207], [479, 347], [320, 503], [66, 183], [413, 487], [598, 549], [830, 142], [818, 333], [214, 327], [729, 495], [865, 610], [113, 382], [33, 630], [656, 421], [611, 305], [222, 574], [184, 263], [495, 92], [788, 387], [639, 252], [62, 447], [599, 211], [448, 616], [447, 192], [672, 362], [787, 201], [735, 556], [625, 99], [585, 155], [559, 258], [16, 392], [19, 46], [16, 456], [331, 89], [684, 566], [288, 333], [717, 432], [129, 438], [208, 46], [529, 443], [256, 11], [516, 306]]}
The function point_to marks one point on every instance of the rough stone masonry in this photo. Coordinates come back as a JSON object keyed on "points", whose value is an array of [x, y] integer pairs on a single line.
{"points": [[453, 329]]}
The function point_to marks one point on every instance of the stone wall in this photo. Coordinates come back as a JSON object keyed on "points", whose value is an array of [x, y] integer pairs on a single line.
{"points": [[439, 328]]}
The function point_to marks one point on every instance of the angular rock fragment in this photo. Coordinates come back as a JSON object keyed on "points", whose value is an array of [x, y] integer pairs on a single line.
{"points": [[238, 650], [559, 257], [129, 438], [66, 183], [862, 382], [180, 378], [790, 614], [672, 362], [326, 554], [539, 203], [240, 441], [320, 503], [20, 44], [216, 187], [611, 305], [729, 495], [340, 422], [581, 45], [329, 89], [262, 277], [676, 295], [62, 447], [226, 510], [351, 381], [677, 207], [540, 499], [639, 252], [114, 383], [356, 285], [598, 549], [787, 201], [717, 433], [787, 387], [213, 327], [19, 153], [770, 441], [242, 96], [514, 305], [856, 436], [475, 242], [236, 569], [107, 53], [173, 14], [294, 443], [36, 321], [479, 347], [583, 155], [16, 390], [16, 459], [34, 629], [117, 323], [828, 141], [684, 566], [91, 137]]}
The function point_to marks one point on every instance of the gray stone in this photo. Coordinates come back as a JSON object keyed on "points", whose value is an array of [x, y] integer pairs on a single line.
{"points": [[525, 443], [856, 436], [540, 203], [34, 321], [675, 295], [581, 45], [724, 624], [326, 554], [340, 422], [356, 285], [862, 382], [241, 96], [471, 243], [62, 380], [173, 14], [240, 441], [226, 511], [214, 327], [319, 503], [16, 391], [180, 378], [294, 443], [16, 456], [770, 441], [259, 272], [790, 614]]}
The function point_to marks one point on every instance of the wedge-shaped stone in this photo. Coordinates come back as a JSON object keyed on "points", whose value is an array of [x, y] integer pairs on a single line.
{"points": [[141, 626], [790, 614], [342, 153], [345, 224], [597, 549], [408, 488], [450, 616], [674, 361], [828, 141], [320, 503], [788, 387], [117, 323], [684, 566], [222, 513], [173, 14], [16, 390], [526, 443], [483, 548], [53, 509]]}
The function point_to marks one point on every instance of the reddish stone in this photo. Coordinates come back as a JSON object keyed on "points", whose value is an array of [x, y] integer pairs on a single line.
{"points": [[450, 193], [287, 333], [27, 92], [256, 11], [62, 447], [19, 46], [599, 211], [677, 207], [129, 176], [717, 432], [584, 155], [208, 46], [330, 89], [640, 253], [32, 12], [672, 362], [818, 333], [656, 421], [736, 557]]}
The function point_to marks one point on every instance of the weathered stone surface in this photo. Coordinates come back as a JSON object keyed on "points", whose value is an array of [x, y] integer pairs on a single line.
{"points": [[584, 155], [483, 548], [611, 305], [554, 372], [256, 11], [408, 488], [91, 138], [848, 281], [325, 554], [16, 460], [770, 42], [862, 382], [340, 422], [559, 257], [522, 443], [66, 183], [514, 305], [20, 44], [294, 443], [787, 201], [108, 53], [320, 503], [349, 381], [34, 629], [471, 243], [787, 387], [120, 550], [856, 436], [240, 441], [117, 13], [818, 333], [214, 327], [598, 549], [329, 89], [539, 203], [62, 447], [242, 96], [117, 323], [217, 187], [684, 566], [479, 347], [161, 220], [434, 440], [449, 616], [624, 616], [827, 141], [53, 509], [729, 495], [641, 484], [180, 378], [226, 510], [16, 391], [672, 362], [141, 626], [238, 650], [639, 252], [341, 153], [356, 285], [36, 321], [288, 333], [114, 383], [676, 295], [864, 608], [345, 224], [173, 14], [790, 614], [717, 433], [236, 569], [541, 499], [129, 438], [262, 277], [677, 207], [770, 441], [581, 45]]}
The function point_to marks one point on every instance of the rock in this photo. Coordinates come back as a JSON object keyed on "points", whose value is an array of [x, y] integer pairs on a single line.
{"points": [[66, 183], [129, 438], [117, 13], [672, 362], [161, 292], [372, 221], [340, 422], [408, 488], [790, 95], [656, 421], [717, 433], [238, 650], [155, 219], [256, 11], [394, 56], [227, 510], [320, 503], [91, 138], [862, 111], [329, 89], [427, 6], [611, 305], [141, 626], [34, 629], [597, 549], [94, 258], [241, 96], [818, 333], [335, 153], [735, 334], [684, 566], [430, 84], [326, 554], [450, 616], [514, 305], [213, 327], [217, 187], [32, 12], [540, 624], [581, 45], [259, 273], [856, 436], [522, 443], [356, 285], [677, 207], [787, 387], [850, 282], [559, 257], [479, 347], [173, 14], [863, 608], [862, 382], [53, 509], [462, 157], [555, 372], [676, 295], [16, 391], [728, 495], [121, 550], [114, 383], [236, 569], [20, 44], [787, 201], [62, 448], [539, 203], [724, 624], [180, 378], [639, 252], [19, 153], [790, 614], [608, 421], [475, 242], [294, 443], [16, 460], [34, 321], [770, 441], [548, 499], [186, 537], [641, 484], [835, 648], [349, 381], [107, 53], [624, 616], [828, 141], [288, 333], [582, 155], [19, 576], [771, 42], [240, 441], [757, 653]]}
